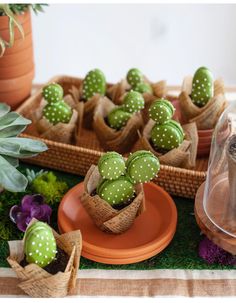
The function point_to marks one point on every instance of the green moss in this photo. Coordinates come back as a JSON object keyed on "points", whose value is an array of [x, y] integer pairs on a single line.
{"points": [[48, 186]]}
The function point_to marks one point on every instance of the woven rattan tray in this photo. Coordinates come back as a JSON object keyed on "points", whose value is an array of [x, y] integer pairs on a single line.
{"points": [[78, 159]]}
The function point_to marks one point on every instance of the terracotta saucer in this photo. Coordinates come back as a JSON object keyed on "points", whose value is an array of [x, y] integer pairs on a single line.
{"points": [[150, 234]]}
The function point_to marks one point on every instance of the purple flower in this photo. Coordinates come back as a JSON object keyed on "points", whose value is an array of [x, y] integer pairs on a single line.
{"points": [[212, 253], [32, 206]]}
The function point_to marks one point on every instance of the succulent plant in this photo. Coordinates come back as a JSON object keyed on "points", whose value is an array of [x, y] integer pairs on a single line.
{"points": [[56, 110], [13, 148], [31, 174], [94, 83]]}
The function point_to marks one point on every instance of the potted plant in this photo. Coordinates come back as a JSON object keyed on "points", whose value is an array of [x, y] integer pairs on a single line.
{"points": [[16, 52], [13, 148]]}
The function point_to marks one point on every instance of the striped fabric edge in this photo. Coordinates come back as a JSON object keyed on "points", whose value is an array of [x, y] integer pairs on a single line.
{"points": [[150, 283]]}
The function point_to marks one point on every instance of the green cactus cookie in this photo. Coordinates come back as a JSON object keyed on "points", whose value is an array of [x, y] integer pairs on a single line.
{"points": [[143, 88], [94, 83], [53, 93], [134, 77], [142, 166], [116, 192], [57, 112], [111, 165], [167, 136], [40, 244], [118, 118], [161, 111], [133, 102], [202, 87]]}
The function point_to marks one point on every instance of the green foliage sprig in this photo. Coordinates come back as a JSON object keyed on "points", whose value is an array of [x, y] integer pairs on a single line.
{"points": [[50, 187]]}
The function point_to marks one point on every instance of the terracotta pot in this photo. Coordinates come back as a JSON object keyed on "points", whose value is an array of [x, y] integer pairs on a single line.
{"points": [[18, 70], [17, 64], [15, 91], [19, 45], [9, 60]]}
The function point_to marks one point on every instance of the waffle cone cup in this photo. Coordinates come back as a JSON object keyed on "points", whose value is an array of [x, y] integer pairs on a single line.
{"points": [[120, 141], [205, 117], [116, 91], [183, 156], [88, 106], [37, 282], [159, 89], [103, 214]]}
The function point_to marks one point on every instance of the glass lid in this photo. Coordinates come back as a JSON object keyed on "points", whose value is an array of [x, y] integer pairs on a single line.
{"points": [[219, 199]]}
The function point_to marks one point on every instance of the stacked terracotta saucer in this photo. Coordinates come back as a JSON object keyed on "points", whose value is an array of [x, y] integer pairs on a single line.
{"points": [[151, 232]]}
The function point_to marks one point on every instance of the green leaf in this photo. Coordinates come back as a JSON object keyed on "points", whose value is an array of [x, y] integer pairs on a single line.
{"points": [[13, 161], [13, 118], [12, 124], [21, 147], [3, 46], [26, 144], [10, 178], [12, 21], [12, 131], [4, 109]]}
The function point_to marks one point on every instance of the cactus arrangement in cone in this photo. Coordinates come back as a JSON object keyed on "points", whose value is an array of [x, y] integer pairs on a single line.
{"points": [[119, 177], [13, 148], [137, 81], [133, 102], [56, 110], [40, 244], [94, 83], [202, 87]]}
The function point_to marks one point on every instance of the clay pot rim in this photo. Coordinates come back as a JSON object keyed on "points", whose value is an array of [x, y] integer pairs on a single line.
{"points": [[9, 83], [4, 20]]}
